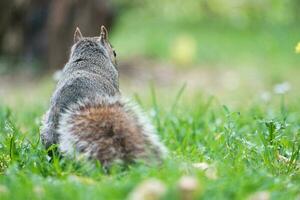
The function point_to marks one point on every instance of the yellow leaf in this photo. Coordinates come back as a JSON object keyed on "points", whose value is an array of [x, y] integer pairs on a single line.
{"points": [[297, 48]]}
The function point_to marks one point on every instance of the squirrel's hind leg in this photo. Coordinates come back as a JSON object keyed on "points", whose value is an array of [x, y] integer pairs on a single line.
{"points": [[48, 134]]}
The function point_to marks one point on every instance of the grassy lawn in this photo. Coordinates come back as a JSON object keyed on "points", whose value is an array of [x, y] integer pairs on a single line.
{"points": [[233, 144], [215, 43], [246, 149]]}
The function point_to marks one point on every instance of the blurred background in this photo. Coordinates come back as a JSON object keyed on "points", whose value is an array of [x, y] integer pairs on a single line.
{"points": [[232, 49]]}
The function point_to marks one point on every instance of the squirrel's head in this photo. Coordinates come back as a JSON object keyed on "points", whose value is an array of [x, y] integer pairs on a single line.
{"points": [[89, 45]]}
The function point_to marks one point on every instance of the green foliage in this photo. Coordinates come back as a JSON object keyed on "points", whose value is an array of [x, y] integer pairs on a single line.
{"points": [[217, 33], [250, 149], [215, 43]]}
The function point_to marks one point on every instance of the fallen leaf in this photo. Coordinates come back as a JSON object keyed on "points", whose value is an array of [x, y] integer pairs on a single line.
{"points": [[151, 189], [3, 189], [209, 170], [263, 195], [189, 187], [39, 191]]}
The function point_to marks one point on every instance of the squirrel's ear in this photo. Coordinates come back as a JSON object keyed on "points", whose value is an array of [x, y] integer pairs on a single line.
{"points": [[103, 33], [77, 35]]}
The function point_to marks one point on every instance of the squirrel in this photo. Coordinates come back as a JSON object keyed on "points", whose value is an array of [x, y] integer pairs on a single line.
{"points": [[88, 115]]}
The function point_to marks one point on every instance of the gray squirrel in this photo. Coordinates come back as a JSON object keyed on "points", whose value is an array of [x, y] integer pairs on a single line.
{"points": [[87, 114]]}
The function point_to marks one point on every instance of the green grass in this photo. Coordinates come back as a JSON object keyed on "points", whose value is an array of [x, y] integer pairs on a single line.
{"points": [[243, 144], [217, 43]]}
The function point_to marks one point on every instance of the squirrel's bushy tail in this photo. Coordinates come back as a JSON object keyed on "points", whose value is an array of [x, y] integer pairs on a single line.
{"points": [[108, 129]]}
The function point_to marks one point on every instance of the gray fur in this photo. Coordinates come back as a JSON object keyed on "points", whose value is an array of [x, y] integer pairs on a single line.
{"points": [[89, 72]]}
